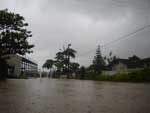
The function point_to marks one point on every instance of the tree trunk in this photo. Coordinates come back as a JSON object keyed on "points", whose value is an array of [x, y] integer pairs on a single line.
{"points": [[49, 73]]}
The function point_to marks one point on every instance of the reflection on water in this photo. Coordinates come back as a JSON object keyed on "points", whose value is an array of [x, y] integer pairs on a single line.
{"points": [[73, 96]]}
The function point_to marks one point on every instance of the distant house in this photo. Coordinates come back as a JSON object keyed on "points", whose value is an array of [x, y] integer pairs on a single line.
{"points": [[117, 66], [127, 65], [120, 66], [19, 65]]}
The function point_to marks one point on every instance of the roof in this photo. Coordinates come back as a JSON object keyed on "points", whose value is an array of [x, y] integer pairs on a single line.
{"points": [[23, 58], [124, 61], [29, 61]]}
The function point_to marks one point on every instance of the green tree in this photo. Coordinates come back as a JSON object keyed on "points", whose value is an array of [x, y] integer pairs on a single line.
{"points": [[59, 63], [62, 60], [59, 56], [3, 68], [69, 53], [74, 67], [111, 58], [82, 72], [98, 62], [49, 65], [134, 62], [13, 36]]}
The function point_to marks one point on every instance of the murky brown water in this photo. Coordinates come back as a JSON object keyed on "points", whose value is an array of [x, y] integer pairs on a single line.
{"points": [[73, 96]]}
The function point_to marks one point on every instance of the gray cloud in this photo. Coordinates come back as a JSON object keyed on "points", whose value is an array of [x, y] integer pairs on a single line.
{"points": [[85, 24]]}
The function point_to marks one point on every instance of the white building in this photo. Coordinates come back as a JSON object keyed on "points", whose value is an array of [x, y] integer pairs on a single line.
{"points": [[19, 65]]}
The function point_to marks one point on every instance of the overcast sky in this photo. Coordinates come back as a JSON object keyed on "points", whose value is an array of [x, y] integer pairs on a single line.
{"points": [[85, 24]]}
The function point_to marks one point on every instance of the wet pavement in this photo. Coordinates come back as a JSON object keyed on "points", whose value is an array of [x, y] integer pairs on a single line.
{"points": [[73, 96]]}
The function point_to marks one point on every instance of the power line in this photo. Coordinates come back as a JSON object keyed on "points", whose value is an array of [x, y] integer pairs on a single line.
{"points": [[126, 36], [118, 39]]}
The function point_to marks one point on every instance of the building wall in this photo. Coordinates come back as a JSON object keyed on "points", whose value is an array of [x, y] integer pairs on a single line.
{"points": [[21, 66], [120, 67], [15, 61], [29, 68]]}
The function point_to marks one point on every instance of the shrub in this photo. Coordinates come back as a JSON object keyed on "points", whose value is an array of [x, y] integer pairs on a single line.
{"points": [[134, 76]]}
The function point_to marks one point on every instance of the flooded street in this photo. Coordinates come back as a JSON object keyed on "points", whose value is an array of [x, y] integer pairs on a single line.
{"points": [[73, 96]]}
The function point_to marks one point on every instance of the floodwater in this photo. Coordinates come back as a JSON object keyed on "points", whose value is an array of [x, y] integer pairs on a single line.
{"points": [[73, 96]]}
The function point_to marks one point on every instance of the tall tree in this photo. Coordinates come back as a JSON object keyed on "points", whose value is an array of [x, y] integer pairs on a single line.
{"points": [[135, 61], [62, 60], [13, 35], [59, 56], [69, 53], [74, 66], [49, 65], [98, 62], [82, 72], [59, 63]]}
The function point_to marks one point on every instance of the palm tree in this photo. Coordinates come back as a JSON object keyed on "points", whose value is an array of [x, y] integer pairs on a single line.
{"points": [[60, 66], [48, 64], [59, 63], [69, 53], [59, 56]]}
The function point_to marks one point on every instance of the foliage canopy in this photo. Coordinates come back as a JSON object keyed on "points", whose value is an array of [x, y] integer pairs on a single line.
{"points": [[13, 34]]}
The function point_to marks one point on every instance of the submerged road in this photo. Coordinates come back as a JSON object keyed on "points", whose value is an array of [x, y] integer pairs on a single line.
{"points": [[73, 96]]}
